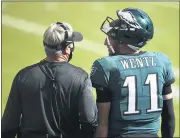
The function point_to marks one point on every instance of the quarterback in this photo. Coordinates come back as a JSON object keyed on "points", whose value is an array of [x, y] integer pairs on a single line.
{"points": [[133, 87]]}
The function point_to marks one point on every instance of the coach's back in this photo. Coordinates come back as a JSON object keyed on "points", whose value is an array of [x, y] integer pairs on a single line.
{"points": [[136, 82], [52, 98]]}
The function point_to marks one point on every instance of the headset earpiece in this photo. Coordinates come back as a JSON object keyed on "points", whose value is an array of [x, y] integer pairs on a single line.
{"points": [[69, 34]]}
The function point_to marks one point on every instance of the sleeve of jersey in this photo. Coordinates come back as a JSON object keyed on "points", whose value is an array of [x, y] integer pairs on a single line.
{"points": [[98, 76], [169, 74]]}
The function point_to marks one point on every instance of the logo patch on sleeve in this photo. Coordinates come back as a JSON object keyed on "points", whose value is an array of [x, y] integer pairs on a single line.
{"points": [[93, 70]]}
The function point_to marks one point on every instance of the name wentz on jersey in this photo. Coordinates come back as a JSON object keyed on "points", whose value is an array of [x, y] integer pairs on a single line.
{"points": [[138, 62]]}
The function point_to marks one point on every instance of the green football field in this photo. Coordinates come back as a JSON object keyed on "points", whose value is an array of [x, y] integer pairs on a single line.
{"points": [[23, 24]]}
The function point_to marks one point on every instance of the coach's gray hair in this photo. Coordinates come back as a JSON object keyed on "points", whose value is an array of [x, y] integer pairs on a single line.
{"points": [[54, 35]]}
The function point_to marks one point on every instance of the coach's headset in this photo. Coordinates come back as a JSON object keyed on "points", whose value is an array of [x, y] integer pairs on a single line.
{"points": [[68, 39]]}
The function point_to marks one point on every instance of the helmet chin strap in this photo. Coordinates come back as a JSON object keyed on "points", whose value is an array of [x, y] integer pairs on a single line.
{"points": [[108, 44], [112, 51], [133, 47]]}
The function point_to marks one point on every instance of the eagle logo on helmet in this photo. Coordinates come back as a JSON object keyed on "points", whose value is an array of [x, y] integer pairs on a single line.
{"points": [[129, 18]]}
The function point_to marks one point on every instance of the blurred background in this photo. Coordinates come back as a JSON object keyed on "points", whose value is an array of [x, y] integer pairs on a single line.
{"points": [[23, 24]]}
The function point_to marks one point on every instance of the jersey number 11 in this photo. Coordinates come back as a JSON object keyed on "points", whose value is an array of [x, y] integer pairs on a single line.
{"points": [[131, 84]]}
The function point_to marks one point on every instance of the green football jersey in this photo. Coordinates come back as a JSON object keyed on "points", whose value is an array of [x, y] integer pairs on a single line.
{"points": [[136, 83]]}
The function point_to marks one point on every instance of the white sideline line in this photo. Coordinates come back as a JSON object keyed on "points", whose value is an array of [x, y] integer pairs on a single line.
{"points": [[37, 29]]}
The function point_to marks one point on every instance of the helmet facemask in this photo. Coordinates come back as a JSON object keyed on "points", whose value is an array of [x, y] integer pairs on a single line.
{"points": [[105, 27]]}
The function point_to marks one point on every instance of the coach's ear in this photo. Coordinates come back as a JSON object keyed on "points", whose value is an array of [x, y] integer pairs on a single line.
{"points": [[67, 50]]}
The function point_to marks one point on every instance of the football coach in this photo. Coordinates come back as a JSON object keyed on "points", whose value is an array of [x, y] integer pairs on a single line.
{"points": [[52, 98]]}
